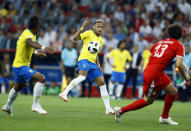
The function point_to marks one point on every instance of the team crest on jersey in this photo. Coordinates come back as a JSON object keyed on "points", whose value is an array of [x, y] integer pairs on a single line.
{"points": [[30, 71], [84, 65]]}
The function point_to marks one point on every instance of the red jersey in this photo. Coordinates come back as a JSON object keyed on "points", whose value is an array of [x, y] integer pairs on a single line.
{"points": [[163, 52]]}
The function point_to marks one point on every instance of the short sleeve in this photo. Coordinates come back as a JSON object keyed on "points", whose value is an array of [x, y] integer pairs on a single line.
{"points": [[84, 35], [111, 54], [180, 50], [28, 34], [129, 58]]}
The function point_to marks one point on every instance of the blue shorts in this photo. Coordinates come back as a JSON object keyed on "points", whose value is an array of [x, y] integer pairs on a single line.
{"points": [[118, 77], [91, 68], [23, 74]]}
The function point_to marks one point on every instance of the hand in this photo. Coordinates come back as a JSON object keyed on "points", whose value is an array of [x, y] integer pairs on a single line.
{"points": [[100, 69], [49, 50], [41, 54], [86, 23], [113, 66], [188, 78]]}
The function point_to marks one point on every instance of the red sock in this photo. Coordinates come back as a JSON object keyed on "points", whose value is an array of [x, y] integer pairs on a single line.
{"points": [[134, 106], [169, 99]]}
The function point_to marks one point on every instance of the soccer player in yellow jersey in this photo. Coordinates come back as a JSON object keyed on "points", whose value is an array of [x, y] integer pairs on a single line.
{"points": [[120, 57], [143, 64], [26, 47], [88, 63]]}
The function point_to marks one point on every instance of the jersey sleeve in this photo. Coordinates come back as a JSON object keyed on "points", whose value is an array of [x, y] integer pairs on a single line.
{"points": [[180, 50], [152, 48], [84, 35], [129, 58], [28, 34], [111, 54]]}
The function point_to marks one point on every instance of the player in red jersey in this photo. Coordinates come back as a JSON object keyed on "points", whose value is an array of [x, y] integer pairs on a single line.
{"points": [[154, 77]]}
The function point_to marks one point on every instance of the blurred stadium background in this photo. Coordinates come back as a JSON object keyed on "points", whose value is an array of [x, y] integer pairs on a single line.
{"points": [[138, 22]]}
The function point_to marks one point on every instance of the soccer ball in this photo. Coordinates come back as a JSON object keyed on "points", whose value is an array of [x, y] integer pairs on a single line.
{"points": [[93, 47]]}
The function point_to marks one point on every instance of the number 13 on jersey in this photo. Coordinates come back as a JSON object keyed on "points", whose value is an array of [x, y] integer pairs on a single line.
{"points": [[159, 50]]}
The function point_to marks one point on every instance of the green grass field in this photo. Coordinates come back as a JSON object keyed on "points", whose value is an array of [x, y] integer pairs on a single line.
{"points": [[88, 114]]}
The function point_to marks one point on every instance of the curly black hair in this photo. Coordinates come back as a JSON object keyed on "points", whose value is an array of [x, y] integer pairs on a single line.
{"points": [[120, 42], [33, 22], [174, 31]]}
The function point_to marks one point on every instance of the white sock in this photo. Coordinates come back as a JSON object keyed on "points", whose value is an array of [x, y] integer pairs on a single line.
{"points": [[3, 89], [37, 92], [140, 90], [105, 97], [111, 87], [119, 90], [74, 83], [12, 96]]}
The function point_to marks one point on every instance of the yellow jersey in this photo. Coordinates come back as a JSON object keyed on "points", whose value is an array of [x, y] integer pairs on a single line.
{"points": [[87, 37], [146, 55], [120, 59], [23, 50]]}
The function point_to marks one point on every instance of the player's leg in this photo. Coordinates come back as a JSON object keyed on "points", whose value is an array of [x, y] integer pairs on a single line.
{"points": [[72, 84], [171, 93], [104, 94], [121, 80], [12, 96], [150, 94], [37, 92], [111, 85]]}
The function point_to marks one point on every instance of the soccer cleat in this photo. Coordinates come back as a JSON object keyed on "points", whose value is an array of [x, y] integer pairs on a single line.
{"points": [[37, 108], [7, 109], [110, 112], [117, 114], [167, 121], [63, 96]]}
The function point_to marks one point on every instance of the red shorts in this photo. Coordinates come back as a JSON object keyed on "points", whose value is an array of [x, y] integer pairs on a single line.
{"points": [[154, 82]]}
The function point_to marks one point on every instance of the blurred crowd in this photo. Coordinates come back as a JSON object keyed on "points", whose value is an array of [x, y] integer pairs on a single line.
{"points": [[139, 23]]}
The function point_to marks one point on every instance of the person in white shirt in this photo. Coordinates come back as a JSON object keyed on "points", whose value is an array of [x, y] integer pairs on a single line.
{"points": [[146, 28], [119, 15], [157, 31], [149, 6], [107, 69], [141, 43], [42, 40], [111, 41], [163, 5], [184, 7], [50, 35]]}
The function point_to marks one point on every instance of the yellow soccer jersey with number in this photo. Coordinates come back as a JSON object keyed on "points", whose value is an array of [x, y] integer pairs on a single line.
{"points": [[87, 37], [23, 51], [120, 59], [146, 55]]}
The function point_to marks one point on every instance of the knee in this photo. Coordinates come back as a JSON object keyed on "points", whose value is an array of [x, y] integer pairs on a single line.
{"points": [[148, 100], [101, 83], [174, 92], [41, 79]]}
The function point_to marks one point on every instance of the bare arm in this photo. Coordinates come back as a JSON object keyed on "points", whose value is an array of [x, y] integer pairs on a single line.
{"points": [[180, 67], [36, 45], [33, 44], [98, 64], [109, 61], [76, 36]]}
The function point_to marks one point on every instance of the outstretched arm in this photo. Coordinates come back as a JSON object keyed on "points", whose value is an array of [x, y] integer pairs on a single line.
{"points": [[36, 45], [76, 36], [180, 67]]}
